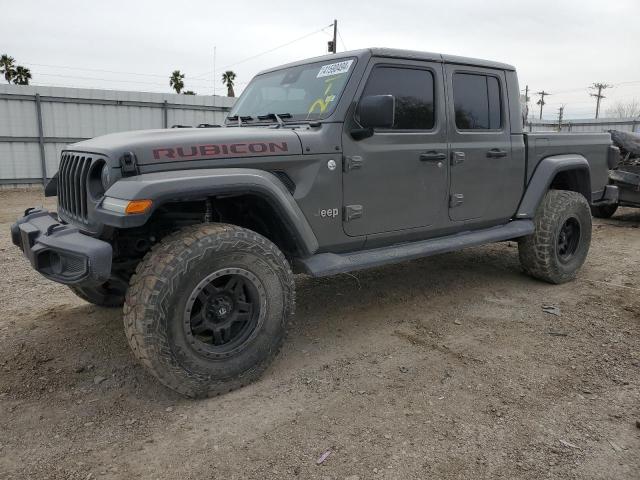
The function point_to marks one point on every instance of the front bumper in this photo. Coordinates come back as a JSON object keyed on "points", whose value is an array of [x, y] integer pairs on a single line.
{"points": [[61, 252]]}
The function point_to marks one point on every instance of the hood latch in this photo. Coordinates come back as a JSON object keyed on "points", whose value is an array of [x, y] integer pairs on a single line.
{"points": [[128, 164]]}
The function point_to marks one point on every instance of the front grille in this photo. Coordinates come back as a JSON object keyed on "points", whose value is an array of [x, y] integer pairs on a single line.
{"points": [[72, 185]]}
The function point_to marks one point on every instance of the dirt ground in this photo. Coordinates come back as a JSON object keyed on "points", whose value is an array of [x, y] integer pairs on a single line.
{"points": [[441, 368]]}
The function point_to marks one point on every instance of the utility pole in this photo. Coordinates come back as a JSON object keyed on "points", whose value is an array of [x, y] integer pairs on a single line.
{"points": [[560, 114], [541, 102], [526, 104], [600, 87], [333, 43]]}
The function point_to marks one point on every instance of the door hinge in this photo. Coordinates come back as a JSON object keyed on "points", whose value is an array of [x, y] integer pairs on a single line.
{"points": [[352, 163], [351, 212], [457, 158], [456, 199]]}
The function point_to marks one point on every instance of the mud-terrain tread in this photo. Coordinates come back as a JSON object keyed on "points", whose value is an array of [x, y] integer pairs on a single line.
{"points": [[538, 251], [142, 307], [604, 211], [88, 295]]}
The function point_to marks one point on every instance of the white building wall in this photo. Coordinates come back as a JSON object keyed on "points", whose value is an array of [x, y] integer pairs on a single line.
{"points": [[72, 114]]}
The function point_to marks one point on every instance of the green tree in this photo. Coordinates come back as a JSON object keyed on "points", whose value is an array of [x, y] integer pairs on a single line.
{"points": [[227, 78], [176, 81], [22, 75], [7, 67]]}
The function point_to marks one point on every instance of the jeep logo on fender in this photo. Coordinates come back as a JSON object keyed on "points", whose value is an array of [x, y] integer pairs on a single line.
{"points": [[219, 150]]}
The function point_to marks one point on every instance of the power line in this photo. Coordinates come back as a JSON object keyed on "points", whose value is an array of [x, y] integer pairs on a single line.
{"points": [[342, 41], [266, 51], [96, 70], [557, 92], [79, 77]]}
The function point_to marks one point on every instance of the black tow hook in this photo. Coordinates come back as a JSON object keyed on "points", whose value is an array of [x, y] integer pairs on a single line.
{"points": [[52, 228]]}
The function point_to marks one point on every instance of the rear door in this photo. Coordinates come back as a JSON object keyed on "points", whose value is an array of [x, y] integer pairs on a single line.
{"points": [[480, 142], [396, 179]]}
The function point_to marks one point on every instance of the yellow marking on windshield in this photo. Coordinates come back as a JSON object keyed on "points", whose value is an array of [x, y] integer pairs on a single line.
{"points": [[323, 102]]}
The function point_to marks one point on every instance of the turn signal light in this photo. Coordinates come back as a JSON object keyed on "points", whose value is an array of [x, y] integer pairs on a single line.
{"points": [[127, 207], [138, 206]]}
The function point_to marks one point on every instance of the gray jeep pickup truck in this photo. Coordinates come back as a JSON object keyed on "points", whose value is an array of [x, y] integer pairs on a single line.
{"points": [[323, 166]]}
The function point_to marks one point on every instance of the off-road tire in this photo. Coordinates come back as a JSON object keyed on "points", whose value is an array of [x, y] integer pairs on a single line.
{"points": [[162, 286], [604, 211], [539, 254], [102, 295]]}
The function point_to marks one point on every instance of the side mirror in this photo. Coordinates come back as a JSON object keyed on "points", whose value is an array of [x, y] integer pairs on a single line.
{"points": [[377, 111]]}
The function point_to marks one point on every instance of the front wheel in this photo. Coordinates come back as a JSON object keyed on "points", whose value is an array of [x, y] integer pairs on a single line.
{"points": [[207, 309], [558, 247]]}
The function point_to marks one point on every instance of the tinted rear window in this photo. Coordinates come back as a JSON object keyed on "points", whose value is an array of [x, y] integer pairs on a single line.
{"points": [[477, 102]]}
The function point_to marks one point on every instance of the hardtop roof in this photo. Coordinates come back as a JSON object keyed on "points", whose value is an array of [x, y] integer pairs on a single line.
{"points": [[399, 53]]}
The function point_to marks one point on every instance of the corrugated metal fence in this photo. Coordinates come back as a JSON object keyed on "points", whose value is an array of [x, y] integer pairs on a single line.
{"points": [[591, 125], [37, 122]]}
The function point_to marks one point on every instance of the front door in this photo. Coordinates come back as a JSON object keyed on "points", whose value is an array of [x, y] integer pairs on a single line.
{"points": [[480, 143], [397, 178]]}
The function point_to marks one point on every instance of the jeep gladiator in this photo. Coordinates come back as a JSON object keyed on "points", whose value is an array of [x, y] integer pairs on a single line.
{"points": [[323, 166]]}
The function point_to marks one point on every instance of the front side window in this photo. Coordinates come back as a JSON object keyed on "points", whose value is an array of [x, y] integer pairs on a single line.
{"points": [[477, 102], [304, 92], [413, 92]]}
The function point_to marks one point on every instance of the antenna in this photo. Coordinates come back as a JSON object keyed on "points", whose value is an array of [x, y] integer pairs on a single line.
{"points": [[214, 73]]}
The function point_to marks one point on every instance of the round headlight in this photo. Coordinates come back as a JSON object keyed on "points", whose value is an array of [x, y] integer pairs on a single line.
{"points": [[105, 176]]}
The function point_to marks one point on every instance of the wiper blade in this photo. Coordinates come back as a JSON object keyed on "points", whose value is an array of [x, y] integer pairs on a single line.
{"points": [[275, 116], [240, 119]]}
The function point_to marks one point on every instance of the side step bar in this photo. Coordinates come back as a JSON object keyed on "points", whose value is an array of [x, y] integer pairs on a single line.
{"points": [[324, 264]]}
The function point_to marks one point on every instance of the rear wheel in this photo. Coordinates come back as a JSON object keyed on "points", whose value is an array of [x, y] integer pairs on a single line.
{"points": [[604, 211], [560, 242], [110, 294], [207, 309]]}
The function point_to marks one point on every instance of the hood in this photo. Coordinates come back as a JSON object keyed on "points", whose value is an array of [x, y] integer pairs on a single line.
{"points": [[185, 144]]}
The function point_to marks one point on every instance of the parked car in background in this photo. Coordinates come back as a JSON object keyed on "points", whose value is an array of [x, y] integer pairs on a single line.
{"points": [[626, 176]]}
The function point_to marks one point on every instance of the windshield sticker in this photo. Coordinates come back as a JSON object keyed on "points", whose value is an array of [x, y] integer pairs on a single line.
{"points": [[334, 68], [323, 102]]}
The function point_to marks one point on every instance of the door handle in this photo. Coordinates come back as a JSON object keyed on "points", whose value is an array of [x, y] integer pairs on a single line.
{"points": [[496, 153], [432, 157]]}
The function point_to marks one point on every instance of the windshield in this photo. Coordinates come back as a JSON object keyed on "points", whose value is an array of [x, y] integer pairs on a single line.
{"points": [[304, 92]]}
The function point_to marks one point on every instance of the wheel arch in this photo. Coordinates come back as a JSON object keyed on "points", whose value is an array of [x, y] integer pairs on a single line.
{"points": [[224, 185], [557, 172]]}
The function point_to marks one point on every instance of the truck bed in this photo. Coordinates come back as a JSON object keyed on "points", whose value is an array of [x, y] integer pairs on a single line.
{"points": [[592, 146]]}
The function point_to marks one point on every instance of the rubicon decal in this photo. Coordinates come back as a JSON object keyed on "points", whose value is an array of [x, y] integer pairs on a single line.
{"points": [[220, 150]]}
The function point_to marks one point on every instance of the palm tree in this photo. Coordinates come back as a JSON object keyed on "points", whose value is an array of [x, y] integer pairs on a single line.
{"points": [[7, 67], [22, 75], [176, 81], [227, 78]]}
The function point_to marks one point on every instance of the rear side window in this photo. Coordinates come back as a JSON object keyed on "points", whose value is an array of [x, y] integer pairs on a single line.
{"points": [[477, 102], [413, 92]]}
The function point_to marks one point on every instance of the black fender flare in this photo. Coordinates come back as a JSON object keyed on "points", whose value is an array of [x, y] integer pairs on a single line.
{"points": [[177, 185], [545, 172]]}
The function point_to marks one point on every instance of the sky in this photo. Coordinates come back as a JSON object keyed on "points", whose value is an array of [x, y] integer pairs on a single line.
{"points": [[559, 46]]}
